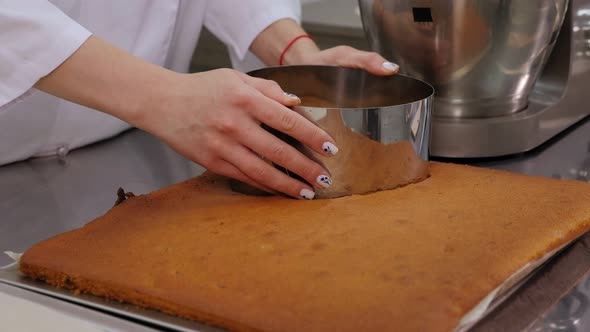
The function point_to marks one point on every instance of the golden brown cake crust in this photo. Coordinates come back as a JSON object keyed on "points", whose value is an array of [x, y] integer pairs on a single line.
{"points": [[412, 259]]}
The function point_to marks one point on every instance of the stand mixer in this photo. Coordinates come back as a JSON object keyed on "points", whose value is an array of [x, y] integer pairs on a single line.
{"points": [[508, 75]]}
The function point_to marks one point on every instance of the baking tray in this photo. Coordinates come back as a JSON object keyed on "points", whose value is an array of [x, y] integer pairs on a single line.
{"points": [[151, 318], [101, 321], [541, 292], [514, 306]]}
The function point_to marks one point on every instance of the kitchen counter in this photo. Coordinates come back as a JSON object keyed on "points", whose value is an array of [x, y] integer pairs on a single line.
{"points": [[43, 197]]}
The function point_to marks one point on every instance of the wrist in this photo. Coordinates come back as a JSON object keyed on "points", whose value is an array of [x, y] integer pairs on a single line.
{"points": [[151, 98], [271, 43], [297, 50]]}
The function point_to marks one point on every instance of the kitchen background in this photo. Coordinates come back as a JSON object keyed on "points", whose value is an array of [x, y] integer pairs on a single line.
{"points": [[330, 22]]}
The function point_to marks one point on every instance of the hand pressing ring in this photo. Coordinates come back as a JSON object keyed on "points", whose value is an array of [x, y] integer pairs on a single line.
{"points": [[214, 119]]}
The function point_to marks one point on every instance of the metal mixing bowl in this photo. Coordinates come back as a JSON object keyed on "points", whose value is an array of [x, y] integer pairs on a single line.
{"points": [[483, 57], [374, 120]]}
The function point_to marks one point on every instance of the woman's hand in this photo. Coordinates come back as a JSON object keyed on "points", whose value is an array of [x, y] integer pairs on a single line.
{"points": [[347, 56], [272, 42], [214, 118]]}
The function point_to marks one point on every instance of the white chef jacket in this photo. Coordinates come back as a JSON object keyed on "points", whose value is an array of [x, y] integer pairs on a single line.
{"points": [[36, 36]]}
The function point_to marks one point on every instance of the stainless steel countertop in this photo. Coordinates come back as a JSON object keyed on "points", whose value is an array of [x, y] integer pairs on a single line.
{"points": [[43, 197]]}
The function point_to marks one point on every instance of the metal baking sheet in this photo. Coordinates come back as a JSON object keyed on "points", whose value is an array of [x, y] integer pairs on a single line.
{"points": [[102, 321], [546, 281], [526, 307], [144, 316], [511, 285]]}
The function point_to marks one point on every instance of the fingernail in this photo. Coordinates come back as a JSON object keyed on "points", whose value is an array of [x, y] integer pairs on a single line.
{"points": [[390, 66], [324, 181], [306, 193], [329, 148], [291, 96]]}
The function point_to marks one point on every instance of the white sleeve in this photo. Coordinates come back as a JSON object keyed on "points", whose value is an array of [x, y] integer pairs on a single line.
{"points": [[35, 38], [238, 22]]}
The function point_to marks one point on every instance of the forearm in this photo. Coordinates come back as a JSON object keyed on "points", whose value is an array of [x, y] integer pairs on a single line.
{"points": [[103, 77], [269, 44]]}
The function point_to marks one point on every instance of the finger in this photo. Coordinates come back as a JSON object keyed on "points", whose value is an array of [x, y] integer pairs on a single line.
{"points": [[225, 168], [272, 90], [293, 124], [374, 63], [283, 154], [369, 61], [266, 175]]}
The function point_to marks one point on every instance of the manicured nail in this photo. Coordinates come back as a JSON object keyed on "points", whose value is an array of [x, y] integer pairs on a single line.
{"points": [[291, 96], [390, 66], [329, 148], [306, 193], [324, 181]]}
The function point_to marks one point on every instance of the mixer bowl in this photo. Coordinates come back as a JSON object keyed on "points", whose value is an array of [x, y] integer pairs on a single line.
{"points": [[483, 57], [381, 124]]}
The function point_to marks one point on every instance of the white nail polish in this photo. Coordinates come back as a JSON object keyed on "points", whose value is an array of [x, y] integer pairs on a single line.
{"points": [[290, 95], [329, 148], [390, 66], [306, 193], [324, 181]]}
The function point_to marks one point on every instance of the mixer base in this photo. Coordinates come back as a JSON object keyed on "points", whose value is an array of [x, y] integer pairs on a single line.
{"points": [[503, 135]]}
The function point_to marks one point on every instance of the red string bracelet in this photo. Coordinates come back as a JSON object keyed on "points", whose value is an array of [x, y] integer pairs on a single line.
{"points": [[282, 56]]}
